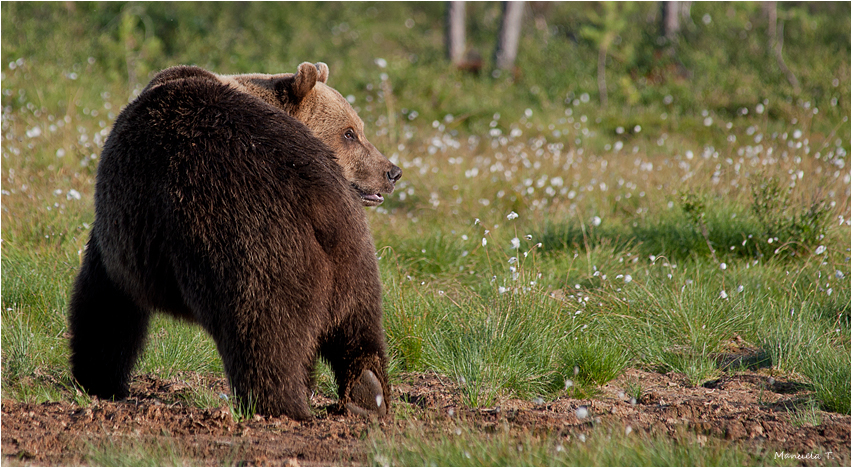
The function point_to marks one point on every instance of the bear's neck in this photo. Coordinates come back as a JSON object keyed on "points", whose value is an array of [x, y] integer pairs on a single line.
{"points": [[261, 86]]}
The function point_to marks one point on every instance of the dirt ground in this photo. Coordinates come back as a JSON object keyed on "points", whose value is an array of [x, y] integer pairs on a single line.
{"points": [[749, 408]]}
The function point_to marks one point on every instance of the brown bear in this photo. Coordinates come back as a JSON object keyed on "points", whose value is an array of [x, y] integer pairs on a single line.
{"points": [[235, 202]]}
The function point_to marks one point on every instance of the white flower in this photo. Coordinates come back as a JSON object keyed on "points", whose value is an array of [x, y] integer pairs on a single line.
{"points": [[596, 221], [73, 194], [628, 278], [819, 250], [581, 412], [516, 243], [484, 242], [511, 216], [723, 266], [382, 63], [723, 294]]}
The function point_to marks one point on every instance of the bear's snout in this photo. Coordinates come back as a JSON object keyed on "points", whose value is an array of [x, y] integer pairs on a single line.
{"points": [[394, 174]]}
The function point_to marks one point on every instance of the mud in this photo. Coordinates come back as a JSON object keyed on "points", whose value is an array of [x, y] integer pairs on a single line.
{"points": [[748, 408]]}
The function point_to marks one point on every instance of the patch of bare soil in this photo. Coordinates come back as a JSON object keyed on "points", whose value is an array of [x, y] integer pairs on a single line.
{"points": [[749, 408]]}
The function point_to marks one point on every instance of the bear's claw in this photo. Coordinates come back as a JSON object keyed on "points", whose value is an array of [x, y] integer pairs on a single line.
{"points": [[366, 396]]}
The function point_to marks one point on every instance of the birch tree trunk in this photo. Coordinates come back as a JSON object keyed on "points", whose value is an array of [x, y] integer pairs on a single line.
{"points": [[510, 34], [775, 31], [671, 19], [455, 32]]}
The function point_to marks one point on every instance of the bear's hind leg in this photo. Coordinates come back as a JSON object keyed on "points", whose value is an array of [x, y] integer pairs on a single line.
{"points": [[107, 330], [268, 369]]}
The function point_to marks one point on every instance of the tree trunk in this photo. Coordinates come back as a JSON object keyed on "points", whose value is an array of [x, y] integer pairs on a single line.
{"points": [[602, 51], [775, 31], [455, 32], [671, 19], [510, 34]]}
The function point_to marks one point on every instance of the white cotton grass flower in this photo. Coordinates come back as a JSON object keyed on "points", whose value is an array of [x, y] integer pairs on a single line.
{"points": [[581, 412], [723, 294], [516, 243], [628, 278], [511, 216], [596, 221], [484, 242], [723, 266], [820, 250]]}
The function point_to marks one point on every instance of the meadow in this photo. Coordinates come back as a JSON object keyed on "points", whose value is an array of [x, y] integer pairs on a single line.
{"points": [[538, 245]]}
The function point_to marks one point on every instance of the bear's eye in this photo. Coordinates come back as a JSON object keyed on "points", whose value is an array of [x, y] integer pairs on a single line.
{"points": [[349, 134]]}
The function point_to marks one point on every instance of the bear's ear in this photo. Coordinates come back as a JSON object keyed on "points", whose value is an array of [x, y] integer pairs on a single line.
{"points": [[323, 72], [305, 80]]}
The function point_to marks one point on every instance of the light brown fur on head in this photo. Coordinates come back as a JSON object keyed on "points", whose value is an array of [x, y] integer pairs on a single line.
{"points": [[306, 97]]}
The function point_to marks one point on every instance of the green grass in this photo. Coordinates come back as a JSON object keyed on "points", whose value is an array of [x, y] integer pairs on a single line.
{"points": [[131, 451], [174, 347], [602, 446], [703, 211]]}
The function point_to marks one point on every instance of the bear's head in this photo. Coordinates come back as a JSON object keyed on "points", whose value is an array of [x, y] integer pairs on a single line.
{"points": [[305, 96]]}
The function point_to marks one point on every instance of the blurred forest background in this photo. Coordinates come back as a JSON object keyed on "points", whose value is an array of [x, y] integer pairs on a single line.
{"points": [[718, 58]]}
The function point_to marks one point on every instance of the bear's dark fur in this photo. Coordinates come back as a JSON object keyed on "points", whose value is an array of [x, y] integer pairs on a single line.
{"points": [[214, 206]]}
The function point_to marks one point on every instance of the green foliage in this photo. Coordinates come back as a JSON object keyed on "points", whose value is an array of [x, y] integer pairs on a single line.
{"points": [[498, 344], [601, 446], [130, 451], [829, 371], [806, 414], [203, 397], [174, 347], [589, 361], [800, 227]]}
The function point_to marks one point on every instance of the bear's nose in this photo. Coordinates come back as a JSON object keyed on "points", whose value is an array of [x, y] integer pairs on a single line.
{"points": [[394, 174]]}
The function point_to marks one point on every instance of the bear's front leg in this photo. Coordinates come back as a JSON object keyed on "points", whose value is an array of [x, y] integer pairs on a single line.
{"points": [[357, 356]]}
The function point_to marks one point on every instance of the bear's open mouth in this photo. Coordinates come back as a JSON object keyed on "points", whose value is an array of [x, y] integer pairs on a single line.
{"points": [[372, 199]]}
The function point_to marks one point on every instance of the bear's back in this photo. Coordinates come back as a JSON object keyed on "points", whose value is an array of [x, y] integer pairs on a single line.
{"points": [[220, 180]]}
